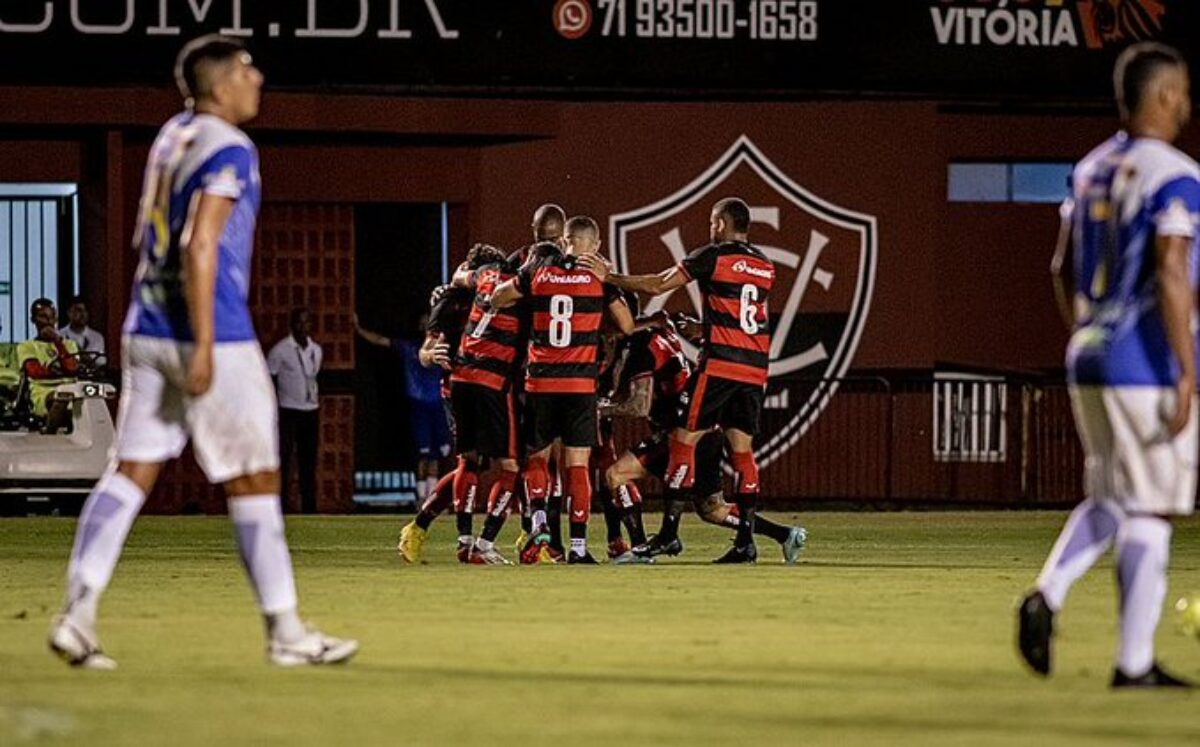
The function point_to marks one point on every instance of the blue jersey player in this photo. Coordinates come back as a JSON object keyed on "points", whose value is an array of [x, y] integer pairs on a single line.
{"points": [[193, 368], [1131, 362]]}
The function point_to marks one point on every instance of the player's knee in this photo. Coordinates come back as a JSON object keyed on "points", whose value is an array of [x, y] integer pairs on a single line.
{"points": [[713, 508]]}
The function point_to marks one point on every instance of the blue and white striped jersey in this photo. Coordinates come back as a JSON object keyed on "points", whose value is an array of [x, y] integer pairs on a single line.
{"points": [[192, 155], [1126, 193]]}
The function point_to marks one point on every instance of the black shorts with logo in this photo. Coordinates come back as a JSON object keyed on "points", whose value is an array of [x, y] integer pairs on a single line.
{"points": [[710, 401], [571, 417], [654, 453], [485, 421]]}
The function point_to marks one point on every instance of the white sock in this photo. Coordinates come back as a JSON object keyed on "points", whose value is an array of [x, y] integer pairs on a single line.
{"points": [[1087, 535], [539, 519], [579, 546], [483, 545], [99, 538], [258, 524], [1143, 548]]}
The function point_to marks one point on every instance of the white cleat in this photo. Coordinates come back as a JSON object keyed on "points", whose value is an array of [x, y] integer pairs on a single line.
{"points": [[77, 645], [314, 648], [794, 545]]}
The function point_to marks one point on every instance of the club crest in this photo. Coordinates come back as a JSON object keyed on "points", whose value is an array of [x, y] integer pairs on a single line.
{"points": [[824, 259]]}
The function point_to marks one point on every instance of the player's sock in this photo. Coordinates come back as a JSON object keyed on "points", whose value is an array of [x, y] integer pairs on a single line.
{"points": [[768, 528], [630, 500], [258, 525], [579, 494], [1143, 547], [612, 516], [673, 503], [537, 485], [1087, 535], [554, 510], [437, 500], [499, 501], [745, 471], [466, 485], [100, 535]]}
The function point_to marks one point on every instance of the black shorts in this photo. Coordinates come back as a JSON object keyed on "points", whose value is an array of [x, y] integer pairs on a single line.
{"points": [[571, 417], [710, 401], [485, 421], [654, 454]]}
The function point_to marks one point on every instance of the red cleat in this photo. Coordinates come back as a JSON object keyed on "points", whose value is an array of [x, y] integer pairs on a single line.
{"points": [[617, 548]]}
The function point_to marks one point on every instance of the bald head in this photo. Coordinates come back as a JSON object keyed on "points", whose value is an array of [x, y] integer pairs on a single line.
{"points": [[549, 221]]}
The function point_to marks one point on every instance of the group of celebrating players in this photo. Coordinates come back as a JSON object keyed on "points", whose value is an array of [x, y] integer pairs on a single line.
{"points": [[543, 348]]}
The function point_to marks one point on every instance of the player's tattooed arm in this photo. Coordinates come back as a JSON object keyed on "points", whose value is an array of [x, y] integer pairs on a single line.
{"points": [[201, 243], [636, 405], [506, 294], [372, 337]]}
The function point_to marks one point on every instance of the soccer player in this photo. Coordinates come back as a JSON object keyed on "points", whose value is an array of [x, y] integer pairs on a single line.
{"points": [[483, 398], [568, 303], [193, 365], [727, 388], [654, 376], [1131, 361]]}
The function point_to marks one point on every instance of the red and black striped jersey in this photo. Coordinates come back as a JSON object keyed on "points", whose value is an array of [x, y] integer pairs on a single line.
{"points": [[658, 354], [491, 343], [735, 279], [567, 304]]}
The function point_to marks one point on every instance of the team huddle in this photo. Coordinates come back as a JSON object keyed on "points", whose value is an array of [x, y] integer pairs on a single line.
{"points": [[543, 348]]}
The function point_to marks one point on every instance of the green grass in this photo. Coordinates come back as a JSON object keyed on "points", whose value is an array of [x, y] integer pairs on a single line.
{"points": [[896, 629]]}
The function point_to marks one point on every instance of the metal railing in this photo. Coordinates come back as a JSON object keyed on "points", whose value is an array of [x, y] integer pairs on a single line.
{"points": [[917, 440]]}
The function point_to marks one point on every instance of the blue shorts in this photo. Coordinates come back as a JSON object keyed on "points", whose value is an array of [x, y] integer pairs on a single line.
{"points": [[430, 428]]}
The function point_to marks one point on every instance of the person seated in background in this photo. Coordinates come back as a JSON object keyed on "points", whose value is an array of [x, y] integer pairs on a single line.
{"points": [[37, 358], [88, 339]]}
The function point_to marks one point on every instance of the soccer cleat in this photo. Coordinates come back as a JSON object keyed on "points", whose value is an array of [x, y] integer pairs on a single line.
{"points": [[1156, 677], [531, 551], [1035, 629], [463, 553], [522, 538], [551, 554], [738, 554], [656, 546], [412, 543], [577, 559], [794, 545], [631, 558], [617, 548], [488, 557], [77, 645], [313, 649]]}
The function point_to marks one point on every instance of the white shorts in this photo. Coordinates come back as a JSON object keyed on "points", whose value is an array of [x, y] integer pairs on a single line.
{"points": [[1131, 457], [233, 426]]}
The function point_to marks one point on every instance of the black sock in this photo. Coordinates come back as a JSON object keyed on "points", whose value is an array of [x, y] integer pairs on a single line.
{"points": [[526, 523], [747, 504], [672, 513], [492, 526], [632, 518], [612, 516], [425, 519], [554, 508], [465, 522], [768, 528]]}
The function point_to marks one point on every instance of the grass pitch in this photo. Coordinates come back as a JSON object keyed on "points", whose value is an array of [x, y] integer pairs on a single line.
{"points": [[896, 629]]}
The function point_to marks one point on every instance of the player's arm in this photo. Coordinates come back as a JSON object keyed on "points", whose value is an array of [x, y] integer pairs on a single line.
{"points": [[463, 277], [619, 311], [372, 337], [637, 404], [1178, 309], [652, 285], [201, 249], [1060, 268], [435, 351]]}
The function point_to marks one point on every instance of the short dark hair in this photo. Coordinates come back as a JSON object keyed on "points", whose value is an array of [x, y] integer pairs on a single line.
{"points": [[197, 55], [484, 254], [295, 314], [39, 303], [1136, 69], [582, 223], [548, 221], [76, 300], [737, 211]]}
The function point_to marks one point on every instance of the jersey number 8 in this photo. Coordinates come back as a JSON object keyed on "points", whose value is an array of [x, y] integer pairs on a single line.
{"points": [[561, 308]]}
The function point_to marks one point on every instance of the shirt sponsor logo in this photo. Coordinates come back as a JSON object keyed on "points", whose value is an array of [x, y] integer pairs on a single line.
{"points": [[749, 269]]}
